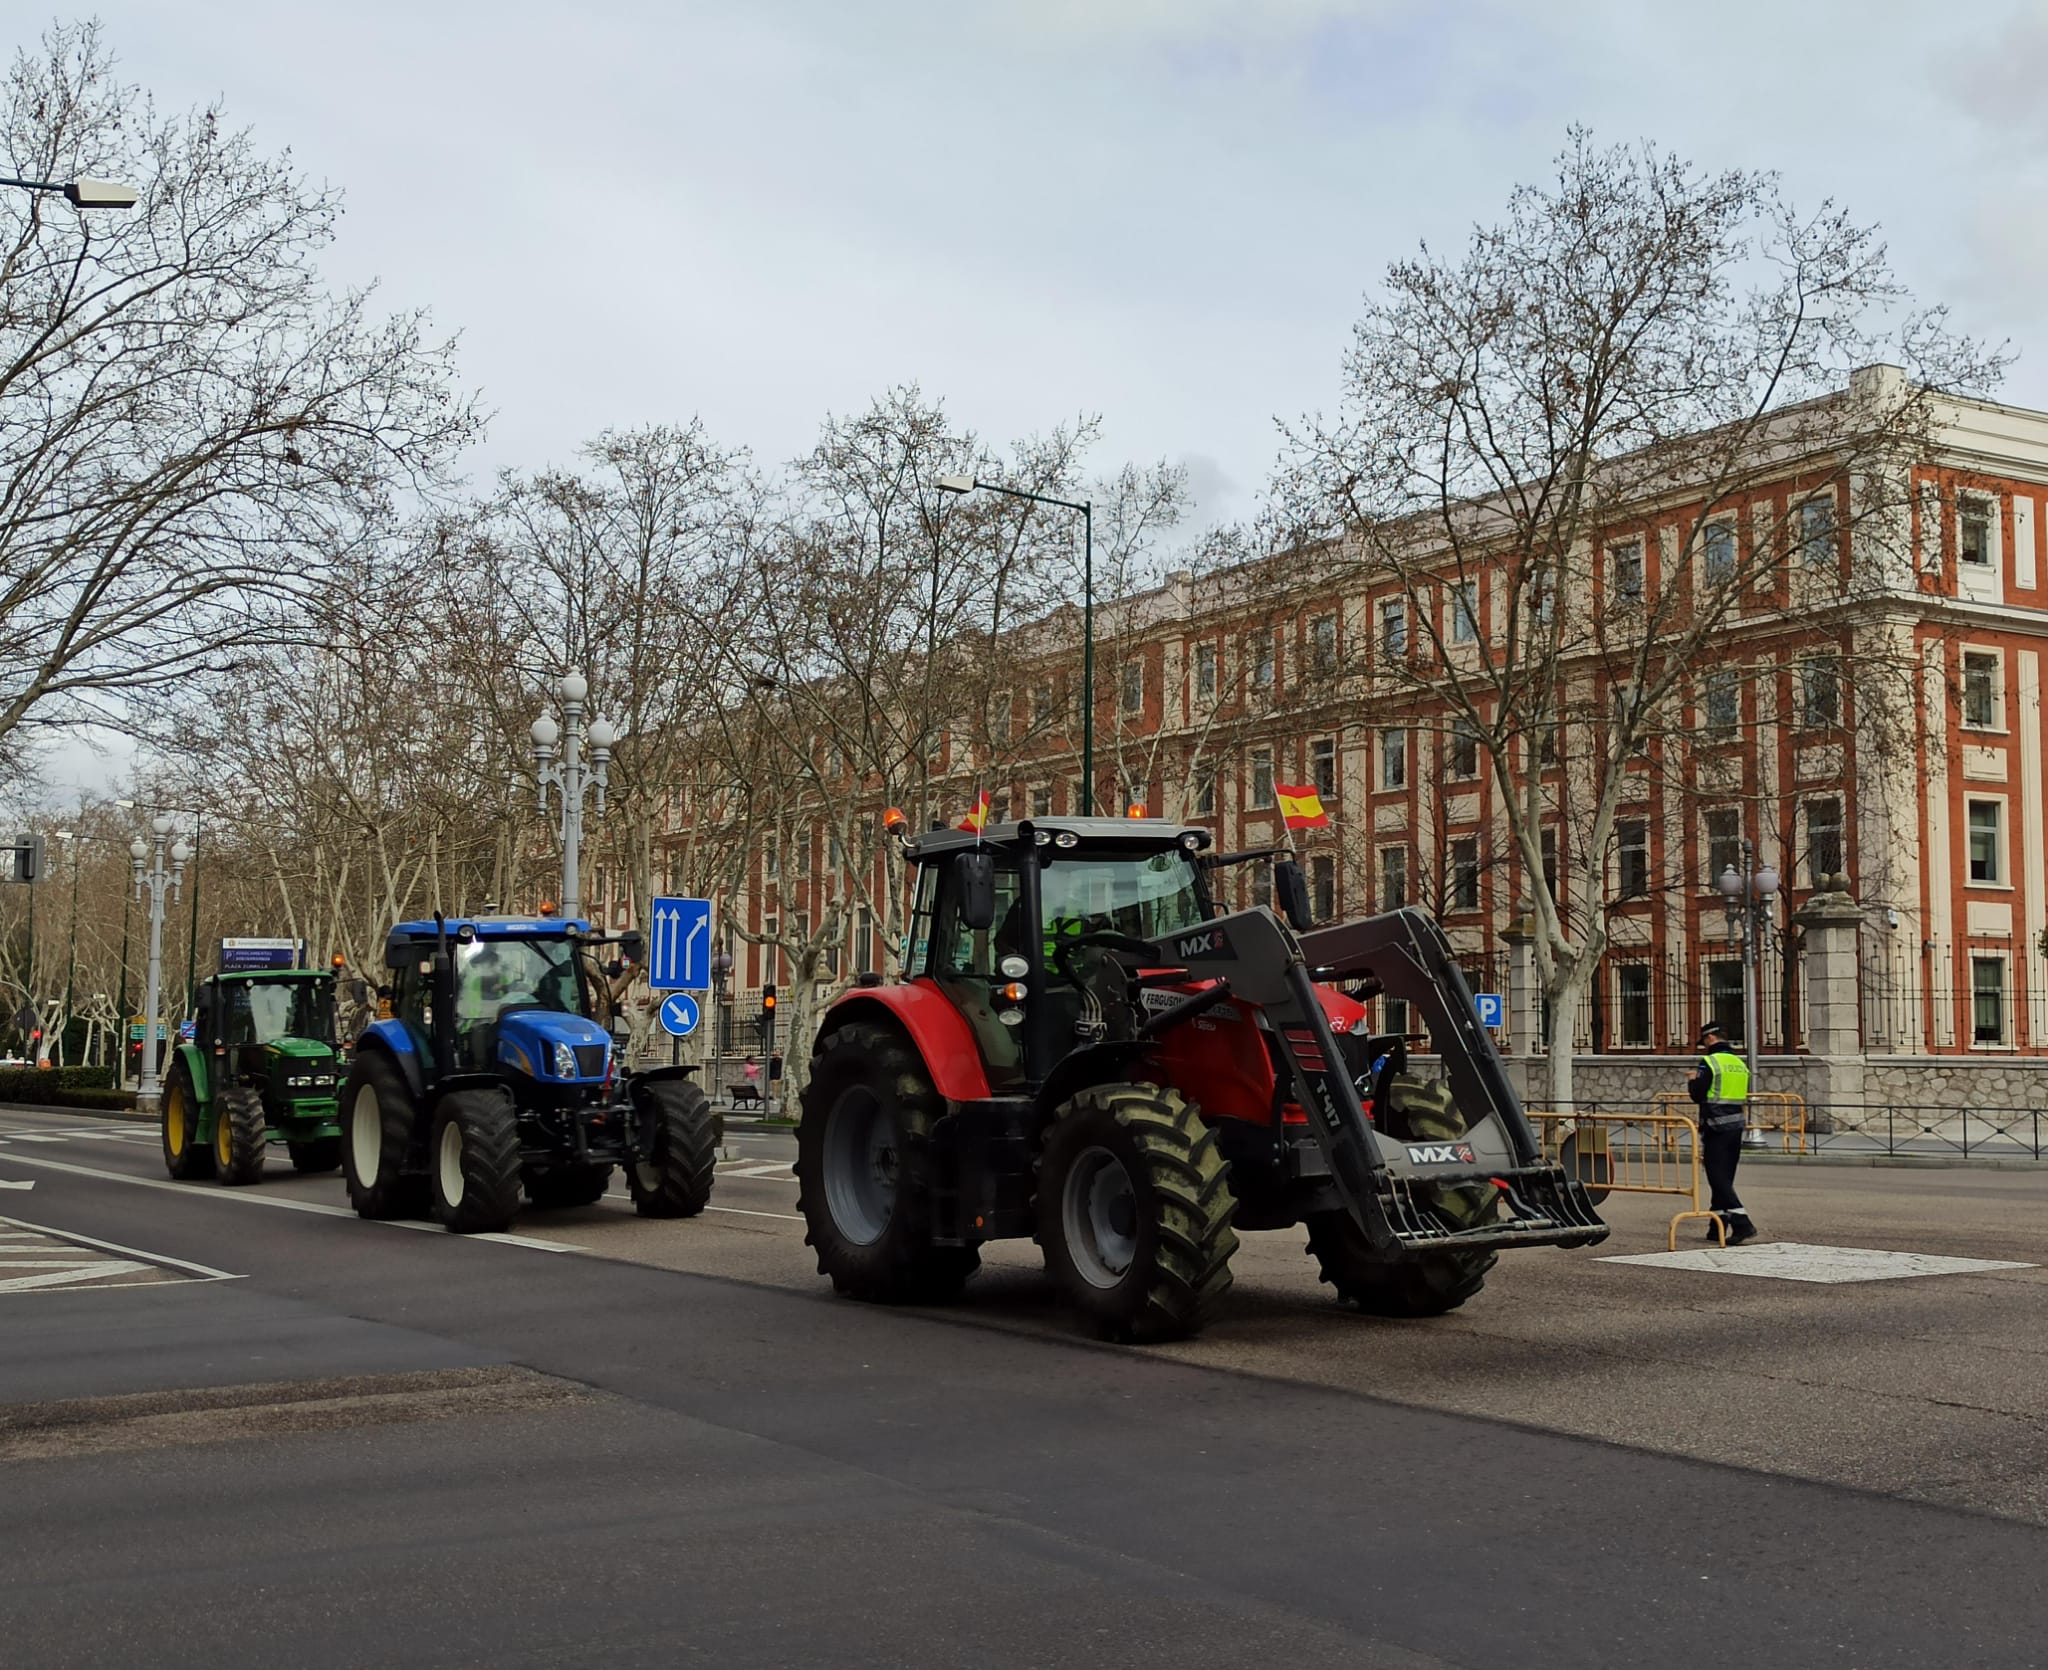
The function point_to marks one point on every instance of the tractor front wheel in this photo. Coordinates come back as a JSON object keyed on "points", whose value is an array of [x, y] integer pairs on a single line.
{"points": [[377, 1118], [315, 1154], [673, 1178], [863, 1171], [239, 1138], [186, 1158], [1416, 1285], [474, 1161], [1134, 1210]]}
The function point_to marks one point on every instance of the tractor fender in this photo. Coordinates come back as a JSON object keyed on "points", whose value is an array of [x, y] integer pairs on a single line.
{"points": [[449, 1083], [937, 1031], [396, 1042], [1108, 1063], [196, 1066], [654, 1075]]}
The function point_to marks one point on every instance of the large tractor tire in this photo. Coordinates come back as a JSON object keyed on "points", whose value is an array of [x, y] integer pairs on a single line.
{"points": [[863, 1171], [1134, 1210], [240, 1141], [315, 1154], [473, 1161], [186, 1158], [674, 1179], [377, 1124], [1418, 1284], [568, 1186]]}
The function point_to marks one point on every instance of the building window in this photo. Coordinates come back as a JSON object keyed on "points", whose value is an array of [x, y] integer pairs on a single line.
{"points": [[1465, 613], [1394, 627], [1986, 859], [1262, 777], [1632, 998], [1041, 801], [1134, 687], [999, 728], [1724, 843], [1980, 689], [1723, 702], [1042, 704], [771, 858], [1465, 874], [1627, 564], [1724, 998], [1817, 544], [1546, 742], [1987, 1000], [1719, 553], [1393, 759], [1547, 843], [1205, 672], [864, 941], [1975, 544], [1632, 840], [1464, 749], [1393, 877], [1823, 839], [1322, 645], [1205, 792], [1322, 886], [1322, 766], [1820, 691], [1259, 655]]}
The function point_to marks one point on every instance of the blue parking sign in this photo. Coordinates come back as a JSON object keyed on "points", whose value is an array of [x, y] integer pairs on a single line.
{"points": [[1493, 1009]]}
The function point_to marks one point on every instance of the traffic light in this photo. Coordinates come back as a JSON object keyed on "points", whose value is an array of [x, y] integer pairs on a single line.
{"points": [[768, 998]]}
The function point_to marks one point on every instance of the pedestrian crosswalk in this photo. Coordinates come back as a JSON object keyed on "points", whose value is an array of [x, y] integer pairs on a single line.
{"points": [[34, 1258]]}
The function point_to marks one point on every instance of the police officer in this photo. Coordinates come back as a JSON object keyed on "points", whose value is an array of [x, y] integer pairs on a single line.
{"points": [[1720, 1087]]}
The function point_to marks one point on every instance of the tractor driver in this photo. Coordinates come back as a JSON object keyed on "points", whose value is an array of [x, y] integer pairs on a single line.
{"points": [[484, 982]]}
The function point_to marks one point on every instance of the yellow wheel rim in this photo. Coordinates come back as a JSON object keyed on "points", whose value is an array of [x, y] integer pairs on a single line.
{"points": [[223, 1138], [174, 1123]]}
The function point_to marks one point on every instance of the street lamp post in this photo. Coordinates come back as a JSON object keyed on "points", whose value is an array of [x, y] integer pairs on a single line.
{"points": [[572, 776], [83, 192], [150, 873], [70, 839], [968, 484], [1746, 896], [721, 998]]}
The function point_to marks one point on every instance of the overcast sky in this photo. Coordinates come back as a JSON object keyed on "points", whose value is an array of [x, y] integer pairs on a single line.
{"points": [[1164, 212]]}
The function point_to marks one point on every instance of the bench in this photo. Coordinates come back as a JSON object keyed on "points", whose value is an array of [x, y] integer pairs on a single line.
{"points": [[744, 1093]]}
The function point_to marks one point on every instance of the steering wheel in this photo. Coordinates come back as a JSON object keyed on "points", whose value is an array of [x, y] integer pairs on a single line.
{"points": [[1107, 939]]}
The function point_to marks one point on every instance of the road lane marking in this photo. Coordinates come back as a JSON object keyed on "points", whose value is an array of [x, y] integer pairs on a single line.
{"points": [[206, 1271], [742, 1212], [248, 1197], [1794, 1261], [779, 1171], [25, 1183], [29, 1136]]}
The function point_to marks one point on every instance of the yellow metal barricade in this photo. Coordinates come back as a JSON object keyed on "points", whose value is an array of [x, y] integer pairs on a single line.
{"points": [[1631, 1153], [1769, 1110]]}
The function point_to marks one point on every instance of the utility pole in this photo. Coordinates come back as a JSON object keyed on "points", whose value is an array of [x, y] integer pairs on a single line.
{"points": [[572, 776], [150, 873]]}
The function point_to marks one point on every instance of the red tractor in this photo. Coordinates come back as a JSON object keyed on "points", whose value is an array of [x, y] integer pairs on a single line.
{"points": [[1087, 1051]]}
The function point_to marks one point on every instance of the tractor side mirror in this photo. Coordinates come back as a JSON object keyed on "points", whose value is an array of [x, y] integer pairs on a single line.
{"points": [[633, 946], [974, 875], [397, 954], [1290, 887]]}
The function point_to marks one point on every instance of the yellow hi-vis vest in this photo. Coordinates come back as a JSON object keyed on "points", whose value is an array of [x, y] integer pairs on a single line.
{"points": [[1730, 1082]]}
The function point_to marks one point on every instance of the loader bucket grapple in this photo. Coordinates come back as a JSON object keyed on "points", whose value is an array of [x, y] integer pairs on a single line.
{"points": [[1085, 1050]]}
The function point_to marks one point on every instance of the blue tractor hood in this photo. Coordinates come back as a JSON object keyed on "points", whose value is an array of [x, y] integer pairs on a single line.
{"points": [[531, 1041]]}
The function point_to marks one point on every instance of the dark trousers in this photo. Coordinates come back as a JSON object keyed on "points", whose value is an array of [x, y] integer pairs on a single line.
{"points": [[1720, 1153]]}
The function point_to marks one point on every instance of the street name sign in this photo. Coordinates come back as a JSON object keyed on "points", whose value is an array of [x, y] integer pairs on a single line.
{"points": [[241, 956], [679, 945]]}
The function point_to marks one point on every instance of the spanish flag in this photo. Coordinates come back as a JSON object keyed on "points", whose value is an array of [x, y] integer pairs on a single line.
{"points": [[1300, 806], [977, 820]]}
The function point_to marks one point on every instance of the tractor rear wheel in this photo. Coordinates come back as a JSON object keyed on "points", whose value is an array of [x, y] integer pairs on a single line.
{"points": [[315, 1154], [568, 1186], [240, 1141], [863, 1168], [1418, 1284], [377, 1122], [186, 1158], [473, 1161], [1134, 1210], [673, 1180]]}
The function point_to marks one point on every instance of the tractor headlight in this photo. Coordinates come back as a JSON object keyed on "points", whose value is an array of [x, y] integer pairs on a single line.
{"points": [[565, 1062]]}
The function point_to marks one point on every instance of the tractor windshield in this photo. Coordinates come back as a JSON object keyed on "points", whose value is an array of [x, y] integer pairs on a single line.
{"points": [[262, 1014], [494, 975], [1148, 895]]}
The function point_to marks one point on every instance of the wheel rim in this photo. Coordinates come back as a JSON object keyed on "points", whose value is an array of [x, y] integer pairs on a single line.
{"points": [[366, 1135], [861, 1166], [1099, 1212], [174, 1122], [223, 1137], [450, 1159]]}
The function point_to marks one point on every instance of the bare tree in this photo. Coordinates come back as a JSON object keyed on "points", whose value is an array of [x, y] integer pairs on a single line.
{"points": [[189, 425], [1541, 442]]}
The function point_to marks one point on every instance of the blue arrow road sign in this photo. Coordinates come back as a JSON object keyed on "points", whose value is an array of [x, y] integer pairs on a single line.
{"points": [[679, 1014], [679, 945], [1492, 1011]]}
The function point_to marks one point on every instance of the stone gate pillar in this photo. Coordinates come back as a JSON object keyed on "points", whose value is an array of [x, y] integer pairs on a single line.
{"points": [[1525, 1003], [1830, 967]]}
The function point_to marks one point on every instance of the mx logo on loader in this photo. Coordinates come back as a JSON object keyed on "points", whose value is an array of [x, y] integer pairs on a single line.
{"points": [[1441, 1154], [1210, 942]]}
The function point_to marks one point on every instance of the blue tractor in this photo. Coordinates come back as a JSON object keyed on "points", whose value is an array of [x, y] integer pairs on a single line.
{"points": [[491, 1073]]}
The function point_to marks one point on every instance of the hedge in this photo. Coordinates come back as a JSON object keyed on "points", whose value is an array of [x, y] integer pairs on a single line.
{"points": [[75, 1087]]}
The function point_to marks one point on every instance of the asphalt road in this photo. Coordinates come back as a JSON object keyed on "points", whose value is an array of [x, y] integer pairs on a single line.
{"points": [[290, 1436]]}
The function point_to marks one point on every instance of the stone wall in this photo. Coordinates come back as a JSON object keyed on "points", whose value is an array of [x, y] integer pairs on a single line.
{"points": [[1959, 1082]]}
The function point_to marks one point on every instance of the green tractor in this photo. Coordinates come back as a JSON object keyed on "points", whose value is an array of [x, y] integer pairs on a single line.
{"points": [[260, 1067]]}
